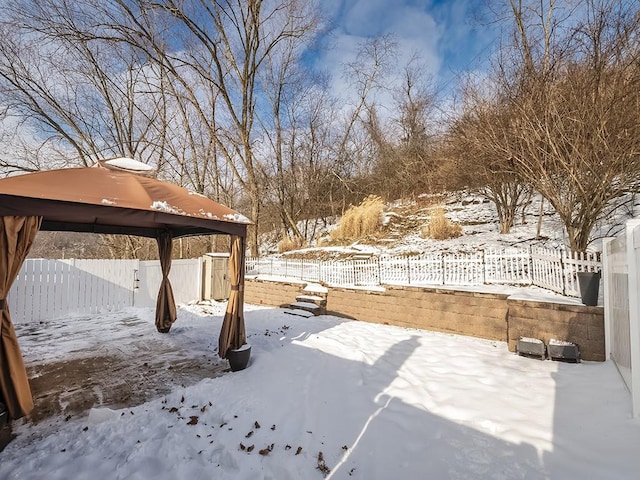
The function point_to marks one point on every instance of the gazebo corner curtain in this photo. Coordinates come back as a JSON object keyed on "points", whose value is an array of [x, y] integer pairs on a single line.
{"points": [[233, 334], [165, 305], [16, 239]]}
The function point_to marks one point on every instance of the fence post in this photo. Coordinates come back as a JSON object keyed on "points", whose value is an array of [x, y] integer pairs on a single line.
{"points": [[444, 272], [608, 305], [408, 271], [563, 273], [634, 313], [200, 275], [484, 268]]}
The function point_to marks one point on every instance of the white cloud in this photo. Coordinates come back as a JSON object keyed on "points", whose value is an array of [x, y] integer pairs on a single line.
{"points": [[445, 36]]}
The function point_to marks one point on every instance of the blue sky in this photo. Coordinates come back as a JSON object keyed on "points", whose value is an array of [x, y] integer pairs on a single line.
{"points": [[445, 34]]}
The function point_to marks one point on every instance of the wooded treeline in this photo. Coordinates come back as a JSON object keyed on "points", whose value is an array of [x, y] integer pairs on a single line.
{"points": [[222, 98]]}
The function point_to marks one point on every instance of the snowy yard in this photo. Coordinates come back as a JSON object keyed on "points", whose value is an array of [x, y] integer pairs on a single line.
{"points": [[329, 397]]}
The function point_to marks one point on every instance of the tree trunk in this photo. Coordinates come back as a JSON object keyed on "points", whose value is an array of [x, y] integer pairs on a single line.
{"points": [[540, 215]]}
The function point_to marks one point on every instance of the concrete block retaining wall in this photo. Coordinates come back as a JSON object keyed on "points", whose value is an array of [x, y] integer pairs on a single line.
{"points": [[579, 324], [485, 315], [266, 292]]}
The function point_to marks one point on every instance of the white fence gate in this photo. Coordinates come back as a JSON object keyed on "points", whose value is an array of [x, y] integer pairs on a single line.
{"points": [[47, 289], [621, 272]]}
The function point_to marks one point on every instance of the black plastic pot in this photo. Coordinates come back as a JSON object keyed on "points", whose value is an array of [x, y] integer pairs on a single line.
{"points": [[589, 283], [239, 358]]}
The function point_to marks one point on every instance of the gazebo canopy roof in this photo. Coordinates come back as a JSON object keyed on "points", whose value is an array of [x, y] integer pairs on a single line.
{"points": [[104, 200], [115, 196]]}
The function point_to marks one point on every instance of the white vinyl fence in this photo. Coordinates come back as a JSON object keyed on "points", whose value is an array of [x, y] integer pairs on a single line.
{"points": [[47, 289], [552, 269], [621, 272], [185, 277]]}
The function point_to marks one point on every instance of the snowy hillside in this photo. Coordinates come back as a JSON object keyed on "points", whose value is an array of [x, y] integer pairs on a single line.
{"points": [[403, 220]]}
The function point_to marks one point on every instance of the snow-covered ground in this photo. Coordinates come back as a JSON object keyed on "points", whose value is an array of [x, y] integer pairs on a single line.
{"points": [[343, 399]]}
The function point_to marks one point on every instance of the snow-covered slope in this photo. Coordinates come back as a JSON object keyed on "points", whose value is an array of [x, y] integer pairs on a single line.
{"points": [[403, 221]]}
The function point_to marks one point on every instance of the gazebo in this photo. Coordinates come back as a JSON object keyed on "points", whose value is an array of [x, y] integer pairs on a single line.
{"points": [[117, 197]]}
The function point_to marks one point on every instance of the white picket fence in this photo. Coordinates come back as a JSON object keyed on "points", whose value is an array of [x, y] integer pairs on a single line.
{"points": [[557, 270], [621, 273], [47, 289], [552, 269]]}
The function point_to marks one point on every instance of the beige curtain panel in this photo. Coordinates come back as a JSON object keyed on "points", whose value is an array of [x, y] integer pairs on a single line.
{"points": [[16, 238], [165, 305], [233, 334]]}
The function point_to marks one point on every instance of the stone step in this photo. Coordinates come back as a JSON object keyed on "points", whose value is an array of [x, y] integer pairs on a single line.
{"points": [[309, 307], [299, 313], [320, 301], [316, 290]]}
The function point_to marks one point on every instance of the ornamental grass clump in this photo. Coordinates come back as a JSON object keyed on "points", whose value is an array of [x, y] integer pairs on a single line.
{"points": [[288, 244], [440, 227], [360, 220]]}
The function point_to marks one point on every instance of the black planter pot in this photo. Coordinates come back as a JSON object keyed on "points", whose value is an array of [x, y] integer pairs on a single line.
{"points": [[589, 283], [239, 358]]}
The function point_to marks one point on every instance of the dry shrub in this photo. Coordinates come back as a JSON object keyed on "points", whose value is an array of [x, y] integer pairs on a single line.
{"points": [[287, 244], [360, 220], [440, 227]]}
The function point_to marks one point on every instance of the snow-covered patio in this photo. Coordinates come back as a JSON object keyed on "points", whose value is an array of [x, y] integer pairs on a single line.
{"points": [[327, 397]]}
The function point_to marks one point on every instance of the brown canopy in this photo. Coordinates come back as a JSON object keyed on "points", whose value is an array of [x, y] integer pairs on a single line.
{"points": [[101, 200]]}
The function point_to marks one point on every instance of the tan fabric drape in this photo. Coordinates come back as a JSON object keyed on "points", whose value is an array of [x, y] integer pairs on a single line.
{"points": [[233, 333], [166, 305], [16, 238]]}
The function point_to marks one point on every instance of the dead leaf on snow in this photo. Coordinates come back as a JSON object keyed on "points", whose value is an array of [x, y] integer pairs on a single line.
{"points": [[193, 420]]}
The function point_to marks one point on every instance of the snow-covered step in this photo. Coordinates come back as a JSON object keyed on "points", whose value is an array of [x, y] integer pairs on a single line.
{"points": [[317, 300], [309, 307], [315, 289], [299, 313]]}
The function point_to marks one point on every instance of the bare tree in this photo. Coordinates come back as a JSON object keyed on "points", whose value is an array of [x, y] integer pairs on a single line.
{"points": [[564, 116], [78, 91], [478, 145], [226, 44], [405, 161], [577, 125]]}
